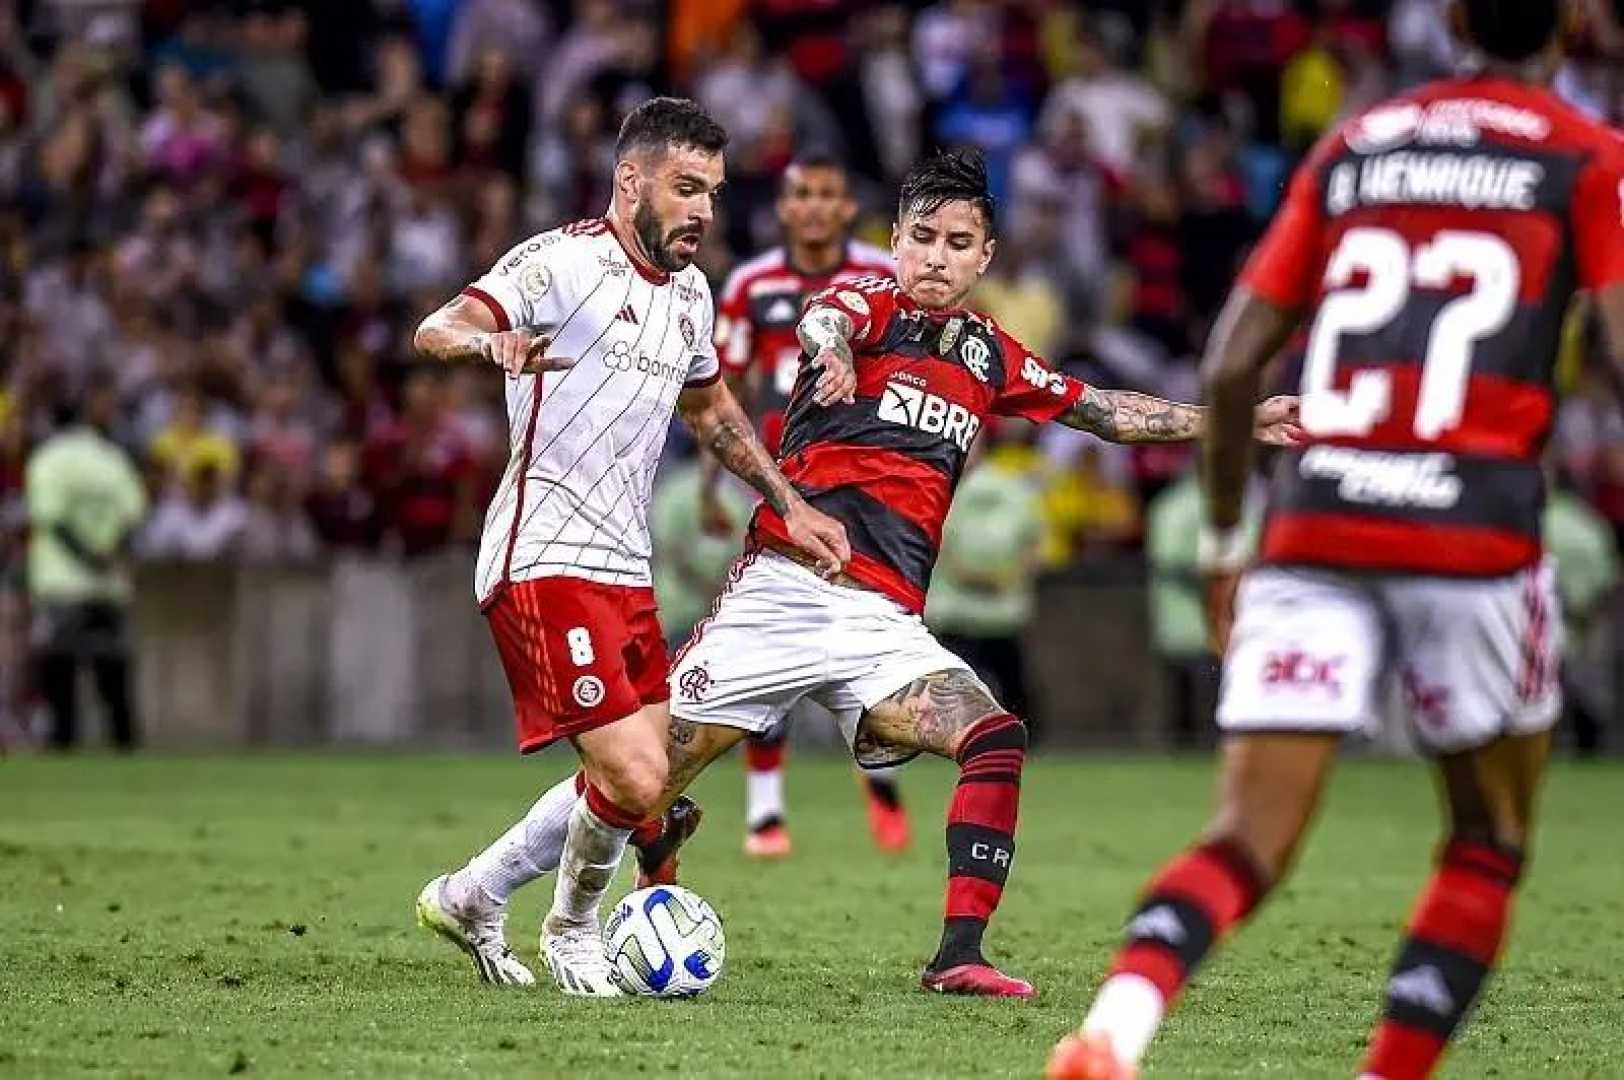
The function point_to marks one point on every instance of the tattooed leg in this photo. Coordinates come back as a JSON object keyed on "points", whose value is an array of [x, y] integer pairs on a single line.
{"points": [[951, 713], [689, 748], [932, 713]]}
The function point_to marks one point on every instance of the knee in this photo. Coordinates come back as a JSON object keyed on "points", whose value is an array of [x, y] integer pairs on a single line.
{"points": [[636, 784]]}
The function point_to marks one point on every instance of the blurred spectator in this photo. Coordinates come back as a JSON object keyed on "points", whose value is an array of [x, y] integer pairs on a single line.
{"points": [[982, 591], [422, 472], [493, 115], [991, 112], [1587, 575], [183, 140], [275, 529], [199, 519], [1178, 630], [343, 512], [189, 443], [85, 501], [519, 28], [1087, 510], [1117, 111], [272, 71]]}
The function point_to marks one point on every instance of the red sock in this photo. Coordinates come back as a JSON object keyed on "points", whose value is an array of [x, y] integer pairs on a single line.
{"points": [[981, 834], [764, 756], [608, 813], [1190, 905], [1454, 935]]}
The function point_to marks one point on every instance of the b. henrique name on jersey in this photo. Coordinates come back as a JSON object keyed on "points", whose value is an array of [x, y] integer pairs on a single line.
{"points": [[1438, 239]]}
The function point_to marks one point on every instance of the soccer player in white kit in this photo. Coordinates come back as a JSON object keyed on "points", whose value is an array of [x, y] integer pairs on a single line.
{"points": [[603, 327]]}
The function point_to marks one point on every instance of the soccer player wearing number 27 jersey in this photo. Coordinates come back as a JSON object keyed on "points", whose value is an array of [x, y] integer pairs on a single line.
{"points": [[895, 381], [1437, 240], [603, 328]]}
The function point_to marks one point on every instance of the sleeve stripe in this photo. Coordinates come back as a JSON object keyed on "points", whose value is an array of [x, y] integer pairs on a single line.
{"points": [[708, 380], [497, 312]]}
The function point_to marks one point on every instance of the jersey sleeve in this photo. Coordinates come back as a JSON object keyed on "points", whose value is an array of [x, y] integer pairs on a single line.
{"points": [[526, 287], [1598, 218], [870, 303], [1032, 389], [1282, 267], [704, 367], [732, 337]]}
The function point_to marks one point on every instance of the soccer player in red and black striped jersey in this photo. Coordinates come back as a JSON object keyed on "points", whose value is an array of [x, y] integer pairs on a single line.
{"points": [[1437, 240], [896, 378], [757, 313]]}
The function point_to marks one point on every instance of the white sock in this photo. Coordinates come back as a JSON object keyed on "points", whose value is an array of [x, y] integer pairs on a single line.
{"points": [[763, 797], [592, 851], [1128, 1009], [529, 849]]}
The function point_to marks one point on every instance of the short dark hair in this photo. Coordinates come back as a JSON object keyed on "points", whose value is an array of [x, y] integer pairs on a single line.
{"points": [[1512, 29], [664, 122], [945, 177]]}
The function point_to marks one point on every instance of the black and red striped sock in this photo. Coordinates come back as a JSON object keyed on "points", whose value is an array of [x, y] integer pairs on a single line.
{"points": [[980, 834], [1191, 904], [1454, 935]]}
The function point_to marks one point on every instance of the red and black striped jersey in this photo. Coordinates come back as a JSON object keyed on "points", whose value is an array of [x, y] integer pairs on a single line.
{"points": [[1438, 239], [886, 465], [755, 323]]}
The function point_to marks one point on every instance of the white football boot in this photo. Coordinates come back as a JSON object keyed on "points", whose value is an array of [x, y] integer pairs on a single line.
{"points": [[477, 931], [575, 955]]}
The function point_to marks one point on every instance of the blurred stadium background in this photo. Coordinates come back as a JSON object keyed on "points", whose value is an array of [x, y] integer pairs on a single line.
{"points": [[219, 223]]}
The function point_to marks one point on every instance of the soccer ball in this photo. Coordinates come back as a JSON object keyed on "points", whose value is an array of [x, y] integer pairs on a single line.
{"points": [[665, 941]]}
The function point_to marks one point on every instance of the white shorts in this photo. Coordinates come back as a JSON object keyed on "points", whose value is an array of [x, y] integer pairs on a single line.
{"points": [[1313, 650], [779, 634]]}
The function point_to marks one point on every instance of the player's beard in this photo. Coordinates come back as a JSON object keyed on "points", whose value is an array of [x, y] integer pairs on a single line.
{"points": [[658, 243]]}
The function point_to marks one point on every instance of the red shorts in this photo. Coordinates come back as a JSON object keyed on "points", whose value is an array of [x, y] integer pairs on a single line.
{"points": [[578, 655]]}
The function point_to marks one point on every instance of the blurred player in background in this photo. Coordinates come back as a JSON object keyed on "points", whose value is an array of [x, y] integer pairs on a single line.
{"points": [[603, 327], [1437, 240], [896, 379], [761, 357]]}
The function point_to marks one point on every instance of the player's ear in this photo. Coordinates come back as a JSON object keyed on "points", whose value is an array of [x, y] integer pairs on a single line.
{"points": [[627, 181], [896, 237], [988, 249]]}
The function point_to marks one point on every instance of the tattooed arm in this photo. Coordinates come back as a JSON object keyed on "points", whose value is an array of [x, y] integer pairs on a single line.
{"points": [[1125, 417], [725, 431], [825, 334]]}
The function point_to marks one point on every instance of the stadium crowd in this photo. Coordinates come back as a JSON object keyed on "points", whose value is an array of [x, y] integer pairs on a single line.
{"points": [[220, 222]]}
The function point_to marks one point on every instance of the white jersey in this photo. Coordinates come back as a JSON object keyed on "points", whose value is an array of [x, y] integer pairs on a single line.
{"points": [[585, 442]]}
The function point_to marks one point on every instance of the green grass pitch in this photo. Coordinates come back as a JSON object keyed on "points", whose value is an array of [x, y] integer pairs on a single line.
{"points": [[200, 916]]}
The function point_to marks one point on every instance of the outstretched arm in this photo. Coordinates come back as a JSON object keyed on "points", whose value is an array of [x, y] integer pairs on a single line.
{"points": [[1123, 416], [722, 428]]}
